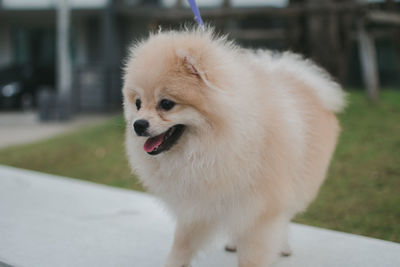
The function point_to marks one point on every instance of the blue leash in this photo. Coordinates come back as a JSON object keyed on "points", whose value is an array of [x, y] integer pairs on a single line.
{"points": [[196, 12]]}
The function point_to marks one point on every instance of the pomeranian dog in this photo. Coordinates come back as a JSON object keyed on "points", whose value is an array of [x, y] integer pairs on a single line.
{"points": [[230, 139]]}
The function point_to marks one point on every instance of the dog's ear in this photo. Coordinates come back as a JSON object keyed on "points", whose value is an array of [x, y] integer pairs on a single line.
{"points": [[190, 63]]}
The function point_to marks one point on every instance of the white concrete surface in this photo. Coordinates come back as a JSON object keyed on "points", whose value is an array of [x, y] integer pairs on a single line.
{"points": [[47, 220], [23, 127]]}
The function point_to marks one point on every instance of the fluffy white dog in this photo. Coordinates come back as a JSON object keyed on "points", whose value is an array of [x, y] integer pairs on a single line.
{"points": [[230, 139]]}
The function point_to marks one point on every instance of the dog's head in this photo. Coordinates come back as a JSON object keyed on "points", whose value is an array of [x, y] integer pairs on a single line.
{"points": [[171, 86]]}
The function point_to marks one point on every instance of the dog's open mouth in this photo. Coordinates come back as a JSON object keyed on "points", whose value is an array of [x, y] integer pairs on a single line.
{"points": [[162, 142]]}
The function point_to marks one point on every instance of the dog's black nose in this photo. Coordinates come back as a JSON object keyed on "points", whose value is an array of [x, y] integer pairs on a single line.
{"points": [[140, 127]]}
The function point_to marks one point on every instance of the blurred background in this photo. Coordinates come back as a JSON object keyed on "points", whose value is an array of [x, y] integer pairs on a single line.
{"points": [[60, 89]]}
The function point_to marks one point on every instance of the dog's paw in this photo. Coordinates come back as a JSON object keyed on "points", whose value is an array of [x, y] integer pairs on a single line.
{"points": [[171, 263], [230, 248], [286, 252]]}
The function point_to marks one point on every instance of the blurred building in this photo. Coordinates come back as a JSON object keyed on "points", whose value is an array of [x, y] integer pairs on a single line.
{"points": [[101, 31], [28, 50]]}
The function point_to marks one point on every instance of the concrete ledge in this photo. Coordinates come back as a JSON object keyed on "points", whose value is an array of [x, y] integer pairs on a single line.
{"points": [[47, 220]]}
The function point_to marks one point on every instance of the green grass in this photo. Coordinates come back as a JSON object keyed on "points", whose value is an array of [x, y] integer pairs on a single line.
{"points": [[95, 154], [361, 194]]}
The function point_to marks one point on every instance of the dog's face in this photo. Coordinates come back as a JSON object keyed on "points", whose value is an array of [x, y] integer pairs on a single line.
{"points": [[167, 93], [159, 117]]}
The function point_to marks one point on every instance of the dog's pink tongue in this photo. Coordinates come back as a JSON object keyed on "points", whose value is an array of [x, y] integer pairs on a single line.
{"points": [[154, 142]]}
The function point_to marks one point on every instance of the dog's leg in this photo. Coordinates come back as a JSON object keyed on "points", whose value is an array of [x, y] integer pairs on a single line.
{"points": [[286, 251], [260, 245], [188, 239]]}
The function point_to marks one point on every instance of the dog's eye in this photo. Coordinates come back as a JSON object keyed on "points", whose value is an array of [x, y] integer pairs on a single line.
{"points": [[138, 103], [166, 104]]}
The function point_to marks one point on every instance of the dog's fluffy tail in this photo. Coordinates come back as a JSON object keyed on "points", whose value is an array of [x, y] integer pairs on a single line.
{"points": [[327, 90]]}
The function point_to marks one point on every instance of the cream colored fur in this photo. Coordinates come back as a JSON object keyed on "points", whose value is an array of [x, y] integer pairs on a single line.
{"points": [[260, 132]]}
